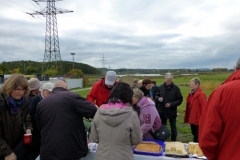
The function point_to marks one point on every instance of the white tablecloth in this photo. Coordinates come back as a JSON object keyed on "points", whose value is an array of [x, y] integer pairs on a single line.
{"points": [[90, 156]]}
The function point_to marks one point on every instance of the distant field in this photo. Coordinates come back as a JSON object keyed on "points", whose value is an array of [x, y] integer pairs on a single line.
{"points": [[208, 83]]}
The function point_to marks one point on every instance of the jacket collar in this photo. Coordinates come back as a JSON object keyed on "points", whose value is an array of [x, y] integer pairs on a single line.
{"points": [[234, 76]]}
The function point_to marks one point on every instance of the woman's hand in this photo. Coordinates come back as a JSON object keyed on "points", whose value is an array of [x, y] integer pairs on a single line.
{"points": [[11, 156], [28, 131]]}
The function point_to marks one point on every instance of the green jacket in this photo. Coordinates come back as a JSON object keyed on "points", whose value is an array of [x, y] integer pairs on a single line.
{"points": [[12, 126]]}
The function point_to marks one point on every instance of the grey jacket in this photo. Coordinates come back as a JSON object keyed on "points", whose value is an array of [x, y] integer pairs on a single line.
{"points": [[116, 130]]}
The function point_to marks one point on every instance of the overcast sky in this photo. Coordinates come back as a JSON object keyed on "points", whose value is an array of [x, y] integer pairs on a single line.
{"points": [[150, 34]]}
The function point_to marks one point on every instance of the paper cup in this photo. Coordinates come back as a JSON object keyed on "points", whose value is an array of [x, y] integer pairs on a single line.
{"points": [[27, 139]]}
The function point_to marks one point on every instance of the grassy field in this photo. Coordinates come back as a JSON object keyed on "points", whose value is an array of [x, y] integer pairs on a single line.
{"points": [[208, 83]]}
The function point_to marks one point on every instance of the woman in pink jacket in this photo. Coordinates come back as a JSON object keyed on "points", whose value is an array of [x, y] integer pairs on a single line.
{"points": [[147, 113], [196, 100]]}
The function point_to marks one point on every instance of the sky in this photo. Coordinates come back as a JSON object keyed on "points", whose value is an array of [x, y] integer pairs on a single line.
{"points": [[156, 34]]}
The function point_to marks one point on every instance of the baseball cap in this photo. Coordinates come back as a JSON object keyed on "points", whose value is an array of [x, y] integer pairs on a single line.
{"points": [[110, 78], [48, 86]]}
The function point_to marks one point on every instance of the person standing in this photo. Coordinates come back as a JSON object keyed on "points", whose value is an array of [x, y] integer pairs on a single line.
{"points": [[116, 126], [169, 97], [60, 117], [36, 138], [145, 88], [196, 101], [219, 131], [135, 83], [153, 90], [101, 90], [34, 86], [14, 118], [149, 118]]}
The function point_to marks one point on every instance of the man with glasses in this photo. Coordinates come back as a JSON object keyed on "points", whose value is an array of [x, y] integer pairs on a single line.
{"points": [[101, 89], [168, 98]]}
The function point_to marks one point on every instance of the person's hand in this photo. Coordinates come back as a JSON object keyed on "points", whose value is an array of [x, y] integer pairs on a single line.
{"points": [[167, 105], [160, 99], [11, 156], [28, 131]]}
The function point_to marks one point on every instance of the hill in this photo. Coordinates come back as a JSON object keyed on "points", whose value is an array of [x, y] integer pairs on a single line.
{"points": [[33, 67]]}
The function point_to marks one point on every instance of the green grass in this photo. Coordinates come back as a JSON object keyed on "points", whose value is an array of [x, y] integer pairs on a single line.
{"points": [[208, 81]]}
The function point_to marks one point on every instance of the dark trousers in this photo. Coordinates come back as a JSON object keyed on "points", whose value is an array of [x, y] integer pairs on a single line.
{"points": [[21, 151], [194, 129], [173, 127]]}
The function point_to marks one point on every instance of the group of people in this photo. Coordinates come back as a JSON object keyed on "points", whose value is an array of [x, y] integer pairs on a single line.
{"points": [[122, 116]]}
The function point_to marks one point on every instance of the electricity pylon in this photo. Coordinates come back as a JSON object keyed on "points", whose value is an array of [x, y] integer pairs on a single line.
{"points": [[52, 50]]}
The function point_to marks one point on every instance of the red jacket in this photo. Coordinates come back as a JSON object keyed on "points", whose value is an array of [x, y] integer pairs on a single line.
{"points": [[99, 93], [219, 131], [194, 107]]}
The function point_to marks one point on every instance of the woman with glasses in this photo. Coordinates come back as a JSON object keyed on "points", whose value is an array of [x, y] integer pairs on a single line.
{"points": [[196, 100], [14, 118]]}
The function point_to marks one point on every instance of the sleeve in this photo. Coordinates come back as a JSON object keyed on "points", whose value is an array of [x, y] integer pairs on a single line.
{"points": [[37, 115], [27, 119], [149, 118], [92, 96], [136, 132], [28, 122], [210, 127], [94, 134], [5, 150], [179, 98], [157, 94], [186, 115], [84, 107]]}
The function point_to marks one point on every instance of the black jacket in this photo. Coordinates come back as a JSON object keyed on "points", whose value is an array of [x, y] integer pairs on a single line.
{"points": [[36, 136], [62, 130], [170, 94], [145, 91]]}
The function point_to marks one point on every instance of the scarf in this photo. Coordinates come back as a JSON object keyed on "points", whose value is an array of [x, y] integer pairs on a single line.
{"points": [[193, 91], [14, 104]]}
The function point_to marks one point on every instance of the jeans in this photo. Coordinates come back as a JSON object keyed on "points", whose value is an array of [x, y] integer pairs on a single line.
{"points": [[194, 129], [173, 127]]}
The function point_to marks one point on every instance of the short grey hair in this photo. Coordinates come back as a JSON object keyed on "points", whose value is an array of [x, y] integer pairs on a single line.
{"points": [[137, 93], [196, 80], [168, 75], [238, 64]]}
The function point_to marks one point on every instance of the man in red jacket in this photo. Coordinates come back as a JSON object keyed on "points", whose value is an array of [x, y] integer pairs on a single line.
{"points": [[219, 131], [101, 89]]}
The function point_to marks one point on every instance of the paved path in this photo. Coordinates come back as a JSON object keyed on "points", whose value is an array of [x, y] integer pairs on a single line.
{"points": [[81, 89]]}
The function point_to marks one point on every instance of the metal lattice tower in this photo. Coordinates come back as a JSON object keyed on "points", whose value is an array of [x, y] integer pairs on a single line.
{"points": [[52, 50]]}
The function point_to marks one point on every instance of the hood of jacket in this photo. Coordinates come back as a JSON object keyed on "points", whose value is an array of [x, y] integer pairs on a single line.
{"points": [[145, 101], [115, 116], [233, 76]]}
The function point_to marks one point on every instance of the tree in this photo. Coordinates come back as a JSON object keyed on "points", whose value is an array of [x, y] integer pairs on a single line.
{"points": [[4, 68], [15, 70], [77, 73], [51, 72]]}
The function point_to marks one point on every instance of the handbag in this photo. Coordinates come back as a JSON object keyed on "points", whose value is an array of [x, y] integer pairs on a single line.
{"points": [[162, 133]]}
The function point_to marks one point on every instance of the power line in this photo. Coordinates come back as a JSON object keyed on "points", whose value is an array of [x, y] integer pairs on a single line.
{"points": [[62, 32], [12, 7]]}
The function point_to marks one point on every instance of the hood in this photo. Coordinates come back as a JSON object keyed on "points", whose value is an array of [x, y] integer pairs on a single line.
{"points": [[145, 101], [233, 76], [115, 116]]}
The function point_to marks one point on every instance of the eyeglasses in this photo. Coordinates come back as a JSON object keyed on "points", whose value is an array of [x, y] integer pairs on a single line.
{"points": [[19, 90]]}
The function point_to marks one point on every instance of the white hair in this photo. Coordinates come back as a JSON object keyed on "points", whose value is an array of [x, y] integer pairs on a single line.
{"points": [[168, 75]]}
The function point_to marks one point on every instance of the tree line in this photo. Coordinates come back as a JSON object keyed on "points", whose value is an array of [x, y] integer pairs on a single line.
{"points": [[48, 68]]}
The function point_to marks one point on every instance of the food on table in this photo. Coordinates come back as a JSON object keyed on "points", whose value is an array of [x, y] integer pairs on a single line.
{"points": [[175, 148], [193, 148], [148, 147]]}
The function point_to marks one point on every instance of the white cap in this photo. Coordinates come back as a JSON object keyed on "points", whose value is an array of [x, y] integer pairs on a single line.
{"points": [[110, 78], [48, 86]]}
